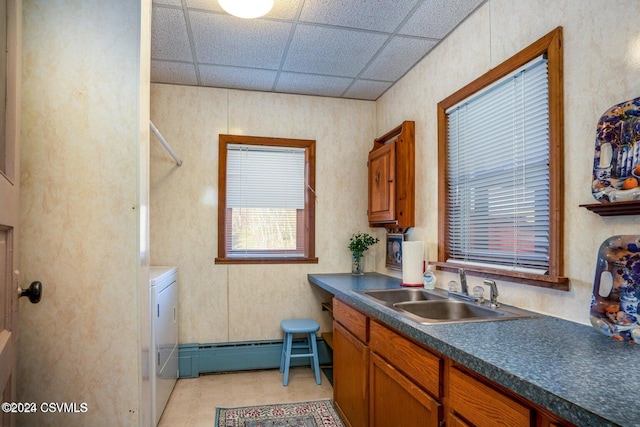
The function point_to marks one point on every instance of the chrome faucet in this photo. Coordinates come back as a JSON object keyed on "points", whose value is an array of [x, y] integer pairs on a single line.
{"points": [[493, 293], [463, 281]]}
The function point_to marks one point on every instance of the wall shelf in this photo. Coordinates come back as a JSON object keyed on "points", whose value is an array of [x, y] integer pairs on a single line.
{"points": [[631, 207]]}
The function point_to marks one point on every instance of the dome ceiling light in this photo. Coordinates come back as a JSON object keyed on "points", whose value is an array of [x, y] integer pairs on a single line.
{"points": [[246, 8]]}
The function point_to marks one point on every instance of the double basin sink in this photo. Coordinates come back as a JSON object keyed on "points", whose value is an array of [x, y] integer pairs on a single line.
{"points": [[434, 307]]}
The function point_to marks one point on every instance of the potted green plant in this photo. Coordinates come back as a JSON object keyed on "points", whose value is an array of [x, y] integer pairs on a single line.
{"points": [[358, 244]]}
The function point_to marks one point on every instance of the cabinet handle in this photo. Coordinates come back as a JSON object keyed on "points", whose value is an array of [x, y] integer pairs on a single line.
{"points": [[377, 177]]}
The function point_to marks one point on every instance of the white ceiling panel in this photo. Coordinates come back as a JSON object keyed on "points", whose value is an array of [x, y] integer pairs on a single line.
{"points": [[173, 42], [442, 16], [169, 2], [340, 48], [237, 78], [331, 51], [379, 15], [179, 73], [398, 56], [366, 89], [222, 40], [312, 84]]}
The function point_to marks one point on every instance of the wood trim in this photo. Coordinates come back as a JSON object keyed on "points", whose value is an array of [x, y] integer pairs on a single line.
{"points": [[551, 45], [559, 283], [556, 150], [274, 260], [306, 226]]}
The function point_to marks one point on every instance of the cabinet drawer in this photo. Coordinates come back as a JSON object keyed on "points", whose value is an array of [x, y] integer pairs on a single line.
{"points": [[423, 367], [483, 406], [354, 321]]}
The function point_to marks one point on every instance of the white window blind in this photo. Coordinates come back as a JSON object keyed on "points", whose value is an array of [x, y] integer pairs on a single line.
{"points": [[265, 177], [498, 173], [265, 193]]}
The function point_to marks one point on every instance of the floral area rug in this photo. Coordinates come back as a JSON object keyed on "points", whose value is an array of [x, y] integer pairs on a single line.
{"points": [[319, 413]]}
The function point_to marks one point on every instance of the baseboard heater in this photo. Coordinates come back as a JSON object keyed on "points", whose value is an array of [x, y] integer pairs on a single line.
{"points": [[196, 359]]}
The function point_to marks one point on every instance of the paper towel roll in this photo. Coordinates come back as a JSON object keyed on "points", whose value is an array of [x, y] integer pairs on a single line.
{"points": [[412, 263]]}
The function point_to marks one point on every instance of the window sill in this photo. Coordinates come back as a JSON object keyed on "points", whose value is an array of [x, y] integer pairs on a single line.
{"points": [[266, 260], [559, 283]]}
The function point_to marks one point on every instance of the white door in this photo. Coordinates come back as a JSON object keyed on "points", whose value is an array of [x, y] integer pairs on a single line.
{"points": [[10, 47]]}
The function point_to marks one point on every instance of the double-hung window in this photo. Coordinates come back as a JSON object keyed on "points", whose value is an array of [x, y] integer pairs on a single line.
{"points": [[266, 200], [500, 188]]}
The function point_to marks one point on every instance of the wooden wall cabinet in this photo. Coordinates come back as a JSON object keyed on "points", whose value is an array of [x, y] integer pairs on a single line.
{"points": [[391, 173], [383, 378]]}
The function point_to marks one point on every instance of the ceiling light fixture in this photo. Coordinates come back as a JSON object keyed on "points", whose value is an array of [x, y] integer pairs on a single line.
{"points": [[246, 8]]}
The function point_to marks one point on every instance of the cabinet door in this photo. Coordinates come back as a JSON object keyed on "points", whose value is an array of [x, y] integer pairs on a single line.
{"points": [[350, 377], [397, 401], [382, 187]]}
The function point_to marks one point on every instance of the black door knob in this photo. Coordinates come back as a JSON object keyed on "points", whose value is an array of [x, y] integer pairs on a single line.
{"points": [[34, 292]]}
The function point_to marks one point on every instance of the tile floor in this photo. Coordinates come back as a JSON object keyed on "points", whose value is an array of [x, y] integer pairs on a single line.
{"points": [[194, 400]]}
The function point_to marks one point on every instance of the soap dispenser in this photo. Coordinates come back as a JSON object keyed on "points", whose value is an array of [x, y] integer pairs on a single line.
{"points": [[429, 279]]}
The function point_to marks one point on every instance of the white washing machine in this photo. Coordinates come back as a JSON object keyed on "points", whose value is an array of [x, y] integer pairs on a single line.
{"points": [[163, 287]]}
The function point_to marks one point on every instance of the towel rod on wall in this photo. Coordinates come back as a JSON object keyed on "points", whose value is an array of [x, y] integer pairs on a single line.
{"points": [[165, 143]]}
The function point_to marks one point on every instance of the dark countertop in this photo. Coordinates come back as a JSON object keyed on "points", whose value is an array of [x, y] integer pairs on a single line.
{"points": [[568, 368]]}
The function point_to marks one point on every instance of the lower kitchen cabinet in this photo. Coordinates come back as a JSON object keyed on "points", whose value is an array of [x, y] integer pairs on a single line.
{"points": [[350, 377], [350, 365], [383, 378], [395, 400]]}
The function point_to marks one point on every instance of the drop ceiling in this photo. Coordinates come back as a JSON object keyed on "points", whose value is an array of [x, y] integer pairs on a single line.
{"points": [[337, 48]]}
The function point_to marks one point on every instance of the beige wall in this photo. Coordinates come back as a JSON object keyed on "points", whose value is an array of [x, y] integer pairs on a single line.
{"points": [[84, 113], [82, 124], [230, 303], [601, 68], [221, 303]]}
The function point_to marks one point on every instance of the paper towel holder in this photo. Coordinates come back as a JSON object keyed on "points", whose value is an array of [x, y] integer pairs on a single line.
{"points": [[413, 256]]}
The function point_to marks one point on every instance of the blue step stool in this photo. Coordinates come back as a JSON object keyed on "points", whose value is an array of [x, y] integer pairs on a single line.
{"points": [[290, 350]]}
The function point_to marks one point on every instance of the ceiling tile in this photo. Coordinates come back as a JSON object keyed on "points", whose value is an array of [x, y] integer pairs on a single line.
{"points": [[312, 84], [169, 2], [179, 73], [315, 47], [367, 89], [437, 18], [381, 15], [225, 40], [281, 9], [237, 78], [397, 57], [332, 51], [169, 37]]}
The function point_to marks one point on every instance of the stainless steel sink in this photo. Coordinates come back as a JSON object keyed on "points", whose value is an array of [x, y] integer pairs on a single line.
{"points": [[393, 296], [433, 307], [448, 310]]}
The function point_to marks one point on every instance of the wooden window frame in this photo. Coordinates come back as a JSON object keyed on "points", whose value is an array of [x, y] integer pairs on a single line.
{"points": [[551, 46], [306, 218]]}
